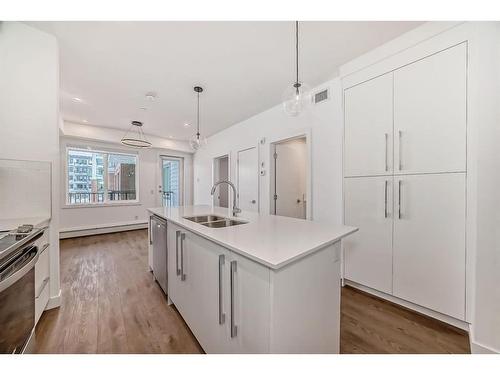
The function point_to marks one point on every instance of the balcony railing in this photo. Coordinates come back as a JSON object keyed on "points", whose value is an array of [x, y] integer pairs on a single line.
{"points": [[89, 197]]}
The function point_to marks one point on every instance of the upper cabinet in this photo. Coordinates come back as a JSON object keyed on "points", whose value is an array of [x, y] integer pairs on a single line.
{"points": [[430, 113], [369, 128]]}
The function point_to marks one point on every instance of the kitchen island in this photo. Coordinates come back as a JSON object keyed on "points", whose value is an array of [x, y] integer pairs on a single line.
{"points": [[262, 284]]}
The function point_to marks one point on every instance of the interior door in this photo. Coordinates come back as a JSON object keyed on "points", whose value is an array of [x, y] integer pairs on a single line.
{"points": [[290, 175], [429, 241], [430, 113], [250, 295], [172, 181], [369, 127], [248, 179], [221, 173], [368, 252]]}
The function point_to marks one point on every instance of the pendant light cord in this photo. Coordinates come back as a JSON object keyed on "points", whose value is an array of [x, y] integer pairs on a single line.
{"points": [[297, 51], [198, 119]]}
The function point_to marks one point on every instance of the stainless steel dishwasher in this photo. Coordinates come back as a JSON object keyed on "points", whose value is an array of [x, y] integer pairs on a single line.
{"points": [[159, 242]]}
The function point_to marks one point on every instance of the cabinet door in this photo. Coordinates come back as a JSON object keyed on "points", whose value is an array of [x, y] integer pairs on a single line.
{"points": [[368, 252], [369, 127], [248, 308], [173, 264], [429, 241], [430, 113], [204, 283]]}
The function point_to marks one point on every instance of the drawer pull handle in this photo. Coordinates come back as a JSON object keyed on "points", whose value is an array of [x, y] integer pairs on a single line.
{"points": [[42, 287]]}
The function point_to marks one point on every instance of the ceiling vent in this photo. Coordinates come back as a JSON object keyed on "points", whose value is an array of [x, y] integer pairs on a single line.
{"points": [[321, 96]]}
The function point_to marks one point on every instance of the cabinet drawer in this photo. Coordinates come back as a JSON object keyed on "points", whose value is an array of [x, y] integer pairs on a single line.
{"points": [[42, 300], [42, 269]]}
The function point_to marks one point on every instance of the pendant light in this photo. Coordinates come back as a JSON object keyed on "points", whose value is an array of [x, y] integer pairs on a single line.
{"points": [[135, 137], [297, 97], [196, 142]]}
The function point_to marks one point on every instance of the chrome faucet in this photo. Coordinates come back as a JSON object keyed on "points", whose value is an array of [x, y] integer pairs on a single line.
{"points": [[236, 210]]}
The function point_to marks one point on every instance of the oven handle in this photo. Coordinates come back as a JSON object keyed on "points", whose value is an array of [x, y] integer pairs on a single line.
{"points": [[16, 276]]}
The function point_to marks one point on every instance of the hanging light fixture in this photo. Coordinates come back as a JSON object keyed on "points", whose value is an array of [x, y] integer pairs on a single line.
{"points": [[196, 142], [135, 137], [297, 97]]}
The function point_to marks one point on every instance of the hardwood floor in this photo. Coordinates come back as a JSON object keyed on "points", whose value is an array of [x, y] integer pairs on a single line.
{"points": [[110, 304], [372, 325]]}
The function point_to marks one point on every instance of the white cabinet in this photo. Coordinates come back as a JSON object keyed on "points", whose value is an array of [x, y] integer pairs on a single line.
{"points": [[235, 305], [413, 246], [247, 305], [368, 252], [369, 127], [430, 113], [42, 276], [429, 241]]}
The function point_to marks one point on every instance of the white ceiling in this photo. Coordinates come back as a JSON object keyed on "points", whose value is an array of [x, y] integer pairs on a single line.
{"points": [[244, 68]]}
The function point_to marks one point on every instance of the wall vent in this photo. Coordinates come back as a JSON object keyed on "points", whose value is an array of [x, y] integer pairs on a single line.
{"points": [[321, 96]]}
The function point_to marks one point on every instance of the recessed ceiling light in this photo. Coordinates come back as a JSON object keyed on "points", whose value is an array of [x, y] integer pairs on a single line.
{"points": [[170, 136], [186, 125], [84, 121], [143, 109], [151, 96], [76, 99]]}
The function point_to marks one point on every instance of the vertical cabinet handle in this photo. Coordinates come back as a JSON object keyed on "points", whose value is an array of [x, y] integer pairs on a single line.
{"points": [[177, 269], [400, 150], [183, 275], [150, 230], [386, 214], [222, 316], [400, 182], [234, 328], [386, 151]]}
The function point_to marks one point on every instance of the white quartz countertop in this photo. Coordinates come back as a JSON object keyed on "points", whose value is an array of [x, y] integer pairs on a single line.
{"points": [[274, 241], [12, 223]]}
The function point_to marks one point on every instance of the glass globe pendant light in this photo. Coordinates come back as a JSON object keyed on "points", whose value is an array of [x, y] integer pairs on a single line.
{"points": [[196, 142], [297, 97]]}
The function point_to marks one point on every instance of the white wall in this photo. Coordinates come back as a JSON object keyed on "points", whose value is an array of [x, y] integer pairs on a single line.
{"points": [[83, 218], [29, 112], [324, 123], [486, 324]]}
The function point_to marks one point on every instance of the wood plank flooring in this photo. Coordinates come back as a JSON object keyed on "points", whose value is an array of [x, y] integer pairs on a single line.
{"points": [[110, 304]]}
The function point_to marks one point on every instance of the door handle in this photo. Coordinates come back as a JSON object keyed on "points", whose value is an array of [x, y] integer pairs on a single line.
{"points": [[400, 182], [386, 214], [253, 201], [400, 150], [183, 275], [222, 316], [150, 230], [386, 135], [177, 269], [234, 328]]}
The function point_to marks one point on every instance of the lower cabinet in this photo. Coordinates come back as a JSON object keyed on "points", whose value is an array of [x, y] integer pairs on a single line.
{"points": [[232, 304], [42, 277], [411, 239]]}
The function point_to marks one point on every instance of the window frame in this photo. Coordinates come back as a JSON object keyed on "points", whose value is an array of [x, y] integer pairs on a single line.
{"points": [[106, 202]]}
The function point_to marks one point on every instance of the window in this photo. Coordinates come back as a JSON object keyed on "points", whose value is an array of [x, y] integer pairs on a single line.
{"points": [[100, 177]]}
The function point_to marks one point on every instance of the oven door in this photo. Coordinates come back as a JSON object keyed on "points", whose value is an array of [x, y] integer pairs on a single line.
{"points": [[17, 299]]}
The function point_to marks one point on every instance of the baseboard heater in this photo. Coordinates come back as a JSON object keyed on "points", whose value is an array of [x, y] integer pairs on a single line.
{"points": [[111, 228]]}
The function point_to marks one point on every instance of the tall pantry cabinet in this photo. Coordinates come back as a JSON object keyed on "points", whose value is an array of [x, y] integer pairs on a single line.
{"points": [[405, 181]]}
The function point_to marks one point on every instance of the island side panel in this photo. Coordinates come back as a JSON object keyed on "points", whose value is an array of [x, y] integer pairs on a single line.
{"points": [[305, 304]]}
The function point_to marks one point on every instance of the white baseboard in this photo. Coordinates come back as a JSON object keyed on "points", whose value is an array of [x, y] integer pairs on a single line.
{"points": [[420, 309], [476, 348], [102, 229], [54, 301]]}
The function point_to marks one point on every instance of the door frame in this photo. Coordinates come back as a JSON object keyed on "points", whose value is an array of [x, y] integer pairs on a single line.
{"points": [[288, 136], [162, 157], [256, 147], [214, 159]]}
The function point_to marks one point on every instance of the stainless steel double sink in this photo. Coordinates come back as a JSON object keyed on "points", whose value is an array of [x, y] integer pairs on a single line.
{"points": [[214, 221]]}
